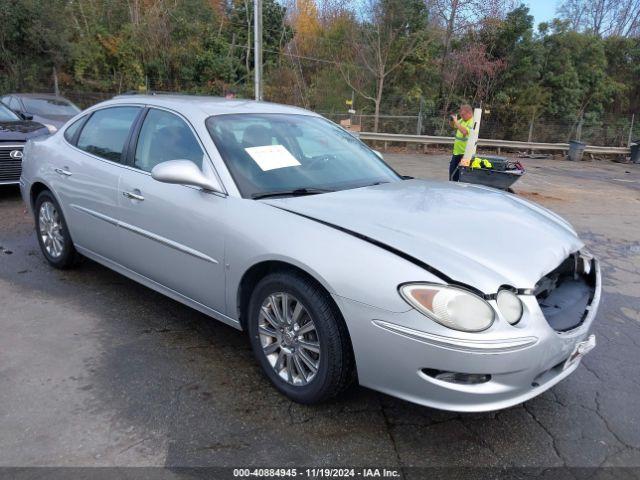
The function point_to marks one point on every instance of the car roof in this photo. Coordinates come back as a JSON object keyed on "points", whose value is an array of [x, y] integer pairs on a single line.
{"points": [[209, 105], [36, 95]]}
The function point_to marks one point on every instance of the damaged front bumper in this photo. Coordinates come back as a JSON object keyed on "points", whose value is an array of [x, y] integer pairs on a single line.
{"points": [[411, 357]]}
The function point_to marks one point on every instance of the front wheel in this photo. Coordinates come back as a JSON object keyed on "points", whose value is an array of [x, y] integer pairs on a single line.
{"points": [[299, 338], [53, 235]]}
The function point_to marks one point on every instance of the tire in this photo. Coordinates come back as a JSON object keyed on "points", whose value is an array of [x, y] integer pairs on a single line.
{"points": [[52, 232], [334, 360]]}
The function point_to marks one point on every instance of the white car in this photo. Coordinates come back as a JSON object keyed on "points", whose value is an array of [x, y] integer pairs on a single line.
{"points": [[278, 222]]}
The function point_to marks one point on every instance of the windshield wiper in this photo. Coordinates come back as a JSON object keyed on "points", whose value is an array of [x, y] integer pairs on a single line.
{"points": [[295, 192], [382, 182]]}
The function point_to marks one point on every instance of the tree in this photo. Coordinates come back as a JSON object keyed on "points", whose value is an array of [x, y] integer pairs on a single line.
{"points": [[380, 45], [456, 20], [520, 96], [623, 68], [34, 40], [276, 32], [603, 17]]}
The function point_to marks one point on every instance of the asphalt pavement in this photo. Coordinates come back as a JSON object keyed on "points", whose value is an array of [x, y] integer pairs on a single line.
{"points": [[96, 370]]}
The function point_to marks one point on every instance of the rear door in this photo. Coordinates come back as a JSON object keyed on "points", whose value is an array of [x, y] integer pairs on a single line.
{"points": [[172, 234], [88, 178]]}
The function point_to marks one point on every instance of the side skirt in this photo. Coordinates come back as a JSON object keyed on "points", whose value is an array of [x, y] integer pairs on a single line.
{"points": [[158, 287]]}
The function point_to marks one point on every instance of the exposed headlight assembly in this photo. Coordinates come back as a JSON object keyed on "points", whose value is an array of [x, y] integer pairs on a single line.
{"points": [[510, 306], [584, 261], [452, 307]]}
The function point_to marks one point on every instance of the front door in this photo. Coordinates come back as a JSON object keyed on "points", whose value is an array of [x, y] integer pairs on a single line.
{"points": [[172, 234]]}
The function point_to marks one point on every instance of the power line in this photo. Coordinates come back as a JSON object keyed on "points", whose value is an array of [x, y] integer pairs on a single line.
{"points": [[303, 57]]}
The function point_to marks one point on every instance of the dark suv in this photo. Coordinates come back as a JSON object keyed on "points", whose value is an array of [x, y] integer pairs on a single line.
{"points": [[14, 133]]}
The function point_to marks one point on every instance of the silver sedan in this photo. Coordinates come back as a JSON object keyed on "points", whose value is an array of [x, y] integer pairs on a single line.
{"points": [[277, 222]]}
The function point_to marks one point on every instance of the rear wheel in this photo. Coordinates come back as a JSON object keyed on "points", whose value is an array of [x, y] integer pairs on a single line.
{"points": [[299, 338], [53, 235]]}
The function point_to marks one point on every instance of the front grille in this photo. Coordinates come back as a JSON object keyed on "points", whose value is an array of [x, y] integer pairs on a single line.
{"points": [[10, 168], [565, 293]]}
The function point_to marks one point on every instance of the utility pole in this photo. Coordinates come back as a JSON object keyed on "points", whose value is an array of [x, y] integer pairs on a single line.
{"points": [[419, 123], [56, 89], [257, 49], [579, 129], [633, 117]]}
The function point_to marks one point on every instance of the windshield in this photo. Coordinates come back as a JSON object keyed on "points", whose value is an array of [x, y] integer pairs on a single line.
{"points": [[49, 106], [6, 115], [271, 153]]}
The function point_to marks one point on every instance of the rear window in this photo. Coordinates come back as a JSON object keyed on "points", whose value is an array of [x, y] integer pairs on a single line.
{"points": [[70, 132], [49, 106], [106, 131]]}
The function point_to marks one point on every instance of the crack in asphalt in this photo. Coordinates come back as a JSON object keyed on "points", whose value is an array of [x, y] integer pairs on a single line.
{"points": [[483, 443], [126, 449], [560, 456], [598, 413], [389, 427], [606, 423], [590, 370]]}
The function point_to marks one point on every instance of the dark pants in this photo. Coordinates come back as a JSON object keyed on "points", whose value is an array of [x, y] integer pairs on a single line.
{"points": [[454, 175]]}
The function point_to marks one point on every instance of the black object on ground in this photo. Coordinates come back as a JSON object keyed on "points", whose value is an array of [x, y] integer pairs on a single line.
{"points": [[576, 150], [635, 152], [503, 174]]}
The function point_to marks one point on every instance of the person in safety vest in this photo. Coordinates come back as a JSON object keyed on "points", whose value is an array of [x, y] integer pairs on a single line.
{"points": [[463, 126]]}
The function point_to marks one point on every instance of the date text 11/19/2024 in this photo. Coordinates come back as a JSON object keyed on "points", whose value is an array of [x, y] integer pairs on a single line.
{"points": [[316, 473]]}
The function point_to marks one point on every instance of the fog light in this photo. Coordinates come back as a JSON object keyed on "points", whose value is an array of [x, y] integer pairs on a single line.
{"points": [[457, 377]]}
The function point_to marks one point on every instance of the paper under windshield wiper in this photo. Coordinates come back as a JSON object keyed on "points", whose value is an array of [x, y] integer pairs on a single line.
{"points": [[294, 192]]}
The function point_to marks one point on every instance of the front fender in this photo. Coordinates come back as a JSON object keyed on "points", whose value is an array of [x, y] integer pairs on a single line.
{"points": [[345, 265]]}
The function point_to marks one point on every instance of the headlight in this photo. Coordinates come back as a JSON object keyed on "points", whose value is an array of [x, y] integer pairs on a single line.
{"points": [[449, 306], [510, 306], [51, 128]]}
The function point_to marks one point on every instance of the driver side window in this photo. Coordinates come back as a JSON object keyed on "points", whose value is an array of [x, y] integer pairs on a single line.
{"points": [[165, 136]]}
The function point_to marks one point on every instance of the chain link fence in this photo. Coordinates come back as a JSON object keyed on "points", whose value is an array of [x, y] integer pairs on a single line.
{"points": [[607, 130]]}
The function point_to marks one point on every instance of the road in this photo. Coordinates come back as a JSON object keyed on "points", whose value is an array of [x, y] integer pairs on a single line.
{"points": [[96, 370]]}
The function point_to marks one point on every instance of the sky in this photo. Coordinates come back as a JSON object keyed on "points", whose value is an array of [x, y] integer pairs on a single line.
{"points": [[542, 10]]}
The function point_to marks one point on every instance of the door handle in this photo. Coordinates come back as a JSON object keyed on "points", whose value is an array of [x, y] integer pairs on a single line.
{"points": [[133, 196], [63, 172]]}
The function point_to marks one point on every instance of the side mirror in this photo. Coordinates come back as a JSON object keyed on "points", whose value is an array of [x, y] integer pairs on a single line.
{"points": [[378, 154], [184, 172]]}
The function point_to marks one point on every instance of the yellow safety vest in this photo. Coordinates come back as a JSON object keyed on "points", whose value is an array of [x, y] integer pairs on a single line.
{"points": [[481, 163], [460, 143]]}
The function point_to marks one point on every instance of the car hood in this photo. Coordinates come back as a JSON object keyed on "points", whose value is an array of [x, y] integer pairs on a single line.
{"points": [[474, 235], [21, 130]]}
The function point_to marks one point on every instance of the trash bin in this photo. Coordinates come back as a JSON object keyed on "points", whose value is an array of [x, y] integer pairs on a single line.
{"points": [[490, 178], [635, 152], [576, 150], [503, 173]]}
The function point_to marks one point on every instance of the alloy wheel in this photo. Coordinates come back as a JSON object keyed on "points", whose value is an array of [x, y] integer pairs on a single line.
{"points": [[289, 338], [50, 229]]}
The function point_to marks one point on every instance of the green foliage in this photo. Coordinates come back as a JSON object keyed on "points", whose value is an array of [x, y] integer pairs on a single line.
{"points": [[516, 71]]}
